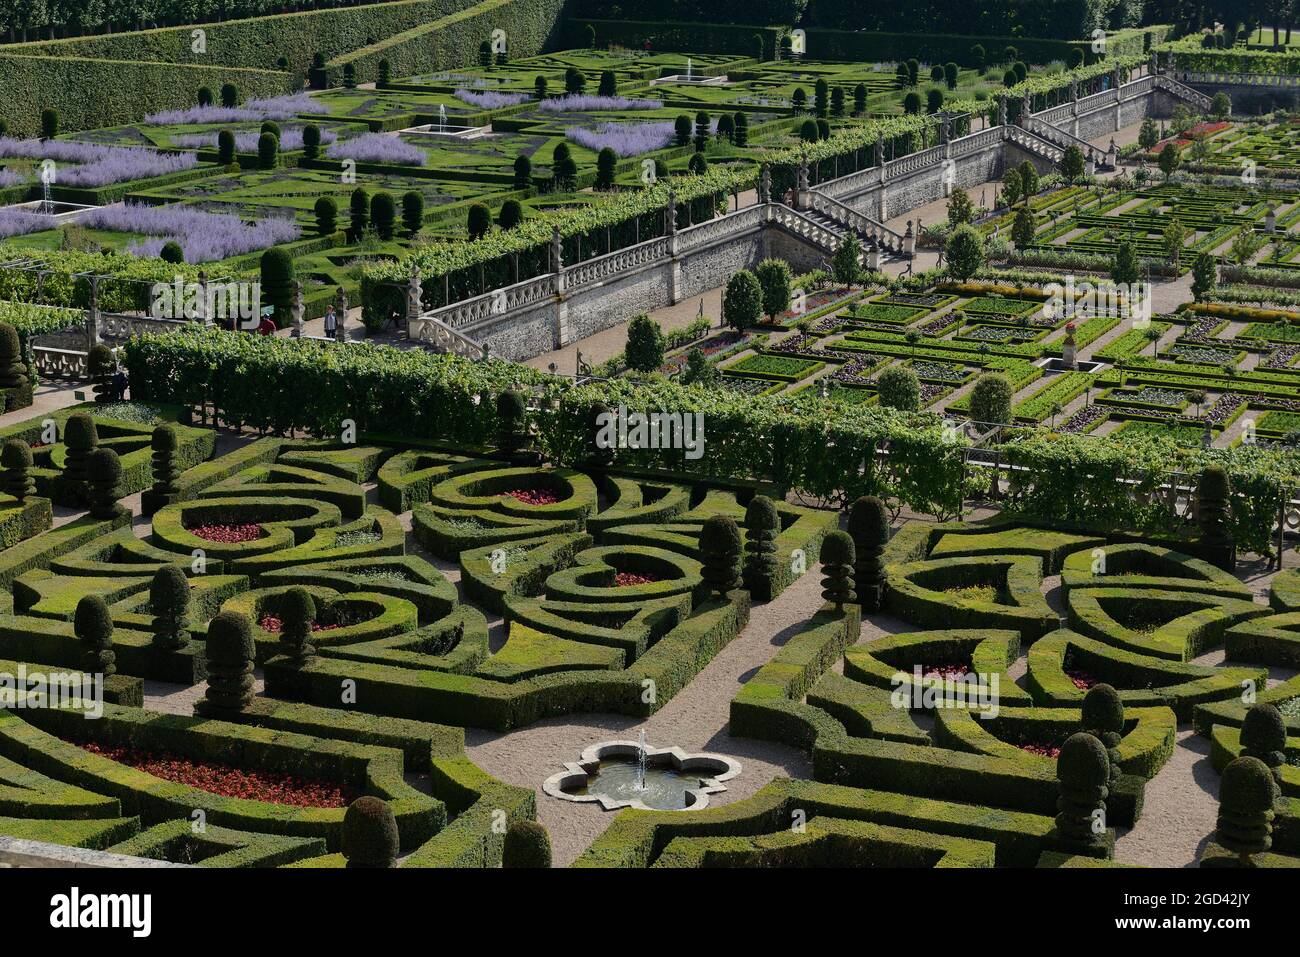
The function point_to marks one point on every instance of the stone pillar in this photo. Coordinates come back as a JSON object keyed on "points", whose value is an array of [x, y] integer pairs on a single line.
{"points": [[1112, 154], [561, 330], [1002, 111], [341, 308], [414, 290], [1026, 104], [1069, 355], [674, 264], [909, 240], [801, 197], [299, 309], [765, 184]]}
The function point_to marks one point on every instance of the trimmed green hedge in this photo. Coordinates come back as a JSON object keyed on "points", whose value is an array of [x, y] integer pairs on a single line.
{"points": [[178, 842], [1272, 640], [930, 593], [1148, 566], [1168, 624]]}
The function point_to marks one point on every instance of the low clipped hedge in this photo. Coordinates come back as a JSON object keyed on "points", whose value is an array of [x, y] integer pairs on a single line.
{"points": [[178, 842], [406, 478], [40, 551], [1191, 622], [630, 626], [54, 642], [1284, 595], [1149, 566], [528, 564], [917, 593], [1272, 640], [889, 662]]}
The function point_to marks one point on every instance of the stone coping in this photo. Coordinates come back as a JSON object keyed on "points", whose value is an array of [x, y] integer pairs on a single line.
{"points": [[713, 770]]}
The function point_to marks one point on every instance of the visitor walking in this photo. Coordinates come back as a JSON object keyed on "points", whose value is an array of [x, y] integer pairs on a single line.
{"points": [[331, 322]]}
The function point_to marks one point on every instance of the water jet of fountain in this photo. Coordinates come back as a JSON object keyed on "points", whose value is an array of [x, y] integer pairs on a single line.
{"points": [[442, 117], [641, 764], [688, 69]]}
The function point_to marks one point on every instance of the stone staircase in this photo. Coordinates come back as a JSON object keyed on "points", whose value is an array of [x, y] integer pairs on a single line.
{"points": [[1062, 138], [1197, 100], [880, 244], [1031, 142]]}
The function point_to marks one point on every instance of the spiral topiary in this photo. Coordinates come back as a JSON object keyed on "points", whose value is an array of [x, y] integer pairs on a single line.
{"points": [[104, 471], [512, 423], [526, 845], [1214, 516], [1263, 736], [297, 612], [230, 653], [80, 437], [92, 623], [169, 597], [165, 468], [370, 837], [99, 368], [16, 460], [13, 371], [1103, 718], [720, 549], [837, 569], [1083, 772], [1246, 798], [761, 527], [869, 529]]}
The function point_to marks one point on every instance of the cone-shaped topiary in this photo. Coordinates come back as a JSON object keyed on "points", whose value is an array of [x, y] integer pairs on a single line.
{"points": [[169, 597], [869, 529], [512, 423], [16, 460], [1103, 718], [1246, 797], [100, 365], [720, 549], [298, 612], [369, 837], [1083, 770], [81, 438], [105, 477], [526, 845], [761, 527], [13, 371], [600, 436], [1263, 736], [230, 651], [1214, 515], [92, 623], [837, 569]]}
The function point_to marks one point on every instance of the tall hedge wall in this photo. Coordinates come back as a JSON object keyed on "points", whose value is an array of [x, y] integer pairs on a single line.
{"points": [[453, 39], [1066, 19], [90, 93], [678, 36], [749, 12]]}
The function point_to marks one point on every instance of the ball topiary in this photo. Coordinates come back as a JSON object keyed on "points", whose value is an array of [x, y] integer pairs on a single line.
{"points": [[13, 371], [369, 837], [92, 623], [1083, 773], [762, 524], [899, 388], [104, 476], [1263, 736], [526, 845], [298, 612], [720, 548], [1103, 718], [80, 438], [100, 365], [1247, 794], [990, 399], [837, 569], [230, 653], [869, 528], [169, 598], [16, 460]]}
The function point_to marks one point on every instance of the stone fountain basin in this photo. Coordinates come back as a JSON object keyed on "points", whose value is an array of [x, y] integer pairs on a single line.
{"points": [[710, 769]]}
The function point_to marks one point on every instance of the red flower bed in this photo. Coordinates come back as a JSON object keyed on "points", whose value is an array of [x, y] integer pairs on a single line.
{"points": [[228, 534], [948, 672], [275, 624], [1082, 680], [1042, 750], [626, 579], [230, 781], [533, 496]]}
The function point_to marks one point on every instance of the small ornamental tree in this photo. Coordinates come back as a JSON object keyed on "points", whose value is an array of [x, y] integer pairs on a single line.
{"points": [[774, 279], [1247, 795], [226, 147], [298, 614], [808, 131], [1263, 736], [645, 344], [277, 276], [527, 844], [478, 221], [1124, 269], [899, 388], [913, 71], [869, 528], [311, 141], [1148, 134], [990, 399], [511, 214], [950, 74], [1103, 718], [762, 525], [608, 84], [1205, 276], [165, 468], [359, 214], [1028, 179], [1220, 105], [720, 550], [512, 423], [92, 623], [1083, 773], [104, 475], [846, 264], [727, 127], [698, 369], [16, 462], [960, 208], [912, 103], [574, 81], [606, 161], [100, 365], [702, 124], [860, 99], [682, 130], [1012, 187], [978, 57], [936, 72], [1023, 228], [327, 216], [933, 100], [564, 171], [540, 86], [1172, 239], [901, 79], [742, 302], [80, 439], [1169, 160], [821, 97], [523, 172], [268, 151], [369, 837], [383, 213], [799, 100], [838, 561], [965, 252], [837, 101], [169, 599], [1072, 163], [230, 653]]}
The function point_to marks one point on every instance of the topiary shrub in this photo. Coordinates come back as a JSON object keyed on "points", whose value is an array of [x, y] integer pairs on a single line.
{"points": [[359, 214], [169, 598], [720, 550], [226, 147], [1103, 718], [311, 141], [277, 277], [412, 211], [1083, 771], [899, 388], [100, 366], [645, 345], [172, 252], [165, 468], [268, 151], [837, 569], [990, 399], [298, 612], [104, 476], [1247, 794], [230, 653], [327, 215], [478, 221], [511, 214], [1214, 517], [512, 424], [80, 437], [13, 371], [16, 461], [92, 623], [868, 526], [762, 525], [526, 845], [383, 213], [369, 837], [1263, 736]]}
